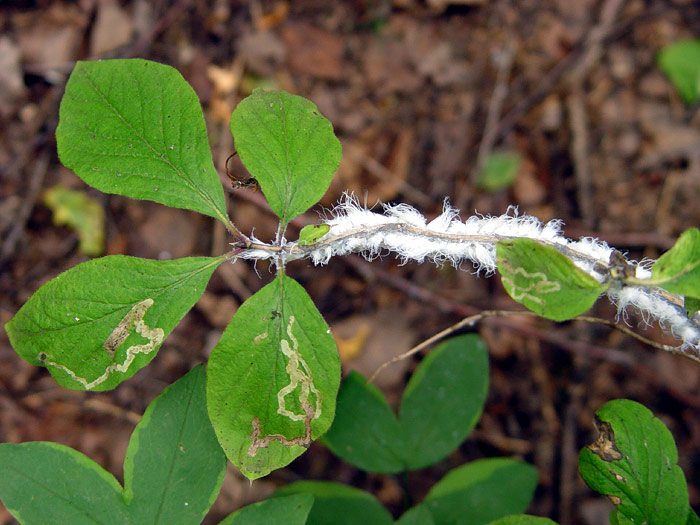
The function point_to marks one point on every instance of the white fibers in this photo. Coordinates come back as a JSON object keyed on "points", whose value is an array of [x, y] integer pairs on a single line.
{"points": [[653, 305], [444, 239], [402, 230]]}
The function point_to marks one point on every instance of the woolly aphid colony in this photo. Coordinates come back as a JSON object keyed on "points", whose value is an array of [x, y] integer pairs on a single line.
{"points": [[402, 230]]}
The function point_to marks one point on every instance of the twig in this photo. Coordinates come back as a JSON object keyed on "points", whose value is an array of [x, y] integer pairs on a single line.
{"points": [[380, 171], [46, 117], [627, 331], [579, 152], [468, 321], [293, 251], [593, 49], [139, 47], [106, 407], [473, 319], [504, 63], [489, 432], [36, 181], [569, 462], [553, 337], [561, 68]]}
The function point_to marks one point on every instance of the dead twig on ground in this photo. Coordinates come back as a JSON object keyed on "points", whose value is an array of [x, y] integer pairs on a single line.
{"points": [[554, 337], [575, 102], [569, 455], [579, 152], [504, 63], [552, 78], [36, 182], [381, 172], [140, 47]]}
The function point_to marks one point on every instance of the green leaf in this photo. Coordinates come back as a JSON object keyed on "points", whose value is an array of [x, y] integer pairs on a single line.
{"points": [[693, 518], [544, 280], [100, 322], [312, 233], [272, 377], [288, 147], [366, 432], [681, 63], [173, 470], [678, 270], [418, 515], [523, 519], [482, 491], [288, 510], [443, 400], [76, 209], [135, 128], [50, 483], [499, 171], [441, 405], [338, 504], [633, 462], [174, 465]]}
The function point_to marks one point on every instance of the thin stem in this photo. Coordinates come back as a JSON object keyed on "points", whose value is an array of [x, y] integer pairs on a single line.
{"points": [[473, 319], [467, 321], [293, 251], [628, 331], [404, 231]]}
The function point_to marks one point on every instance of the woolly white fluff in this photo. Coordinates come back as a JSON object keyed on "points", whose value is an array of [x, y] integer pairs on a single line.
{"points": [[403, 230], [419, 245], [654, 306]]}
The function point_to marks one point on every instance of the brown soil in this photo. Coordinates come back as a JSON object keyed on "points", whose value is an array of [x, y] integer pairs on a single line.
{"points": [[419, 92]]}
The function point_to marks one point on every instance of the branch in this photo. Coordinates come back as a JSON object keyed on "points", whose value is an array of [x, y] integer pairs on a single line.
{"points": [[402, 230]]}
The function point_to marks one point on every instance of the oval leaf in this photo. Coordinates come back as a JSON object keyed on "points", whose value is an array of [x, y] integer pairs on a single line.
{"points": [[135, 128], [338, 504], [544, 280], [678, 270], [99, 323], [288, 147], [174, 465], [288, 510], [418, 515], [173, 469], [482, 491], [633, 462], [272, 379], [442, 403], [50, 483], [444, 400], [365, 431]]}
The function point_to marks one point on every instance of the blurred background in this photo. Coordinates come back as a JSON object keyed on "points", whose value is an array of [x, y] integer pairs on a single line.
{"points": [[560, 107]]}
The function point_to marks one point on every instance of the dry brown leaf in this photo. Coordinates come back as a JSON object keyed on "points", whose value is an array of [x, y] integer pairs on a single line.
{"points": [[314, 51], [50, 41], [275, 17], [113, 28], [389, 334], [263, 51], [350, 347]]}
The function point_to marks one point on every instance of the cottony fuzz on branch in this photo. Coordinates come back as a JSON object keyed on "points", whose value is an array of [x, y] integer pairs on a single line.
{"points": [[404, 231]]}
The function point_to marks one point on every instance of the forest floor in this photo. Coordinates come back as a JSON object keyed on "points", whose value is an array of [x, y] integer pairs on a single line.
{"points": [[420, 93]]}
